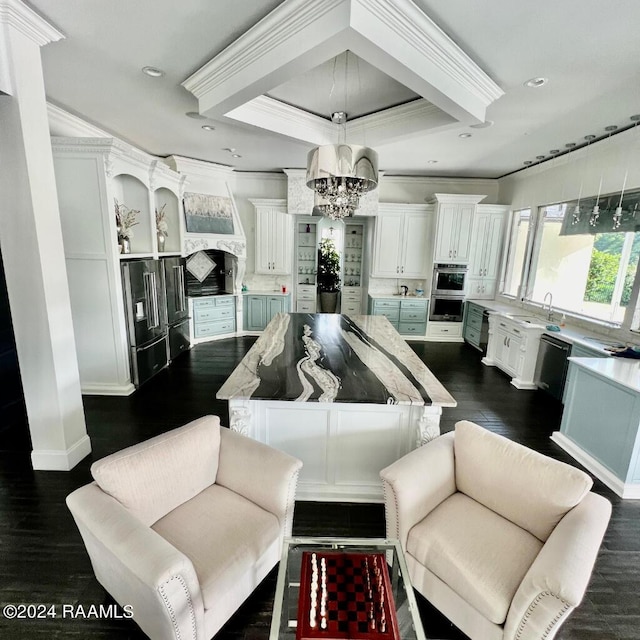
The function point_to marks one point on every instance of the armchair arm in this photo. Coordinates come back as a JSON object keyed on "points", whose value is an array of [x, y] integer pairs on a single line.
{"points": [[260, 473], [416, 484], [558, 578], [138, 567]]}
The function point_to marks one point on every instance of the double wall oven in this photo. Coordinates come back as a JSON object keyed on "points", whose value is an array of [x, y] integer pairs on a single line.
{"points": [[447, 292]]}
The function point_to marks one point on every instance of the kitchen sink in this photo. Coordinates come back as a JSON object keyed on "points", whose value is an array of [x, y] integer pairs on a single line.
{"points": [[527, 318]]}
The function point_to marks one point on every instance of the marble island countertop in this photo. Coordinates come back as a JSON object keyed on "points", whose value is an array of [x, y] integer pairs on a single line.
{"points": [[334, 358]]}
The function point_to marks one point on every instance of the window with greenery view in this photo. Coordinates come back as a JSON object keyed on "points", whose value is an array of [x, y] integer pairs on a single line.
{"points": [[587, 261]]}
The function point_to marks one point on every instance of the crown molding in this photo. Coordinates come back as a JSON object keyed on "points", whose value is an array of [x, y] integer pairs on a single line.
{"points": [[201, 168], [276, 41], [413, 27], [287, 120], [69, 125], [457, 198], [384, 127], [17, 15], [300, 34]]}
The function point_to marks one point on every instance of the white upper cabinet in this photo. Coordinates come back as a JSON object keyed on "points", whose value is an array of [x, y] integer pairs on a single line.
{"points": [[274, 230], [487, 242], [454, 214], [400, 243]]}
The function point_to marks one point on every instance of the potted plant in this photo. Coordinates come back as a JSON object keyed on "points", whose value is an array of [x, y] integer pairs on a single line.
{"points": [[328, 275]]}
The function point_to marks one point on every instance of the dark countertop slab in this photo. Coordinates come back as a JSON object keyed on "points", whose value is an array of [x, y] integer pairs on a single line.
{"points": [[334, 358]]}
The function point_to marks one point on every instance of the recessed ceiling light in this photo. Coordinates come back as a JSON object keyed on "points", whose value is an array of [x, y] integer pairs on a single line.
{"points": [[611, 127], [154, 72], [540, 157], [195, 115], [589, 137], [635, 118], [527, 162], [536, 82], [482, 125], [464, 135], [554, 151], [570, 145], [236, 155], [432, 161], [208, 127], [229, 149]]}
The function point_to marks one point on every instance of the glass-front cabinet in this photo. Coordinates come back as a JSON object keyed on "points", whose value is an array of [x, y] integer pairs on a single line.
{"points": [[353, 246], [306, 240]]}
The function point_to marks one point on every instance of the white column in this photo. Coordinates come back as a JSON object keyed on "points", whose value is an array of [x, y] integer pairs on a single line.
{"points": [[32, 247]]}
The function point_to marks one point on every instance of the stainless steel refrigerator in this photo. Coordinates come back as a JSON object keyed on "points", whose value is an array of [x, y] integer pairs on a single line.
{"points": [[177, 305], [145, 306]]}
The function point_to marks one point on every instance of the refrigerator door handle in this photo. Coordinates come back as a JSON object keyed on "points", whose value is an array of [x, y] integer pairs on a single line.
{"points": [[148, 300], [179, 290], [152, 299], [183, 293]]}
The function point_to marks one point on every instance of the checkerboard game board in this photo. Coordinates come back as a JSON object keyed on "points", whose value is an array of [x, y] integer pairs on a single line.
{"points": [[345, 596]]}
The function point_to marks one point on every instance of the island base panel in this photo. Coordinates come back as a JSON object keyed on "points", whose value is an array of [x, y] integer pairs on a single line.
{"points": [[343, 446]]}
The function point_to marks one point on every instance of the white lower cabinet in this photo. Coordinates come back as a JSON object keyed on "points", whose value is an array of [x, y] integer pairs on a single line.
{"points": [[445, 331], [513, 347], [351, 301], [306, 298]]}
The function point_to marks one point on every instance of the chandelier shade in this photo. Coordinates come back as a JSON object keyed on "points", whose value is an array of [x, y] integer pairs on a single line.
{"points": [[340, 174]]}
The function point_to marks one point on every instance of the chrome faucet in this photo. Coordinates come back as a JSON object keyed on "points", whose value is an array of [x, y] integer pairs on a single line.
{"points": [[550, 296]]}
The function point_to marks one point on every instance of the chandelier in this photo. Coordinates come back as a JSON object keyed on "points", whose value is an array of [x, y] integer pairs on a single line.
{"points": [[341, 174]]}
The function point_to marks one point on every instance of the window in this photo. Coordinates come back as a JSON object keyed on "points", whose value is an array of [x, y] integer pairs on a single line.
{"points": [[586, 258], [517, 251]]}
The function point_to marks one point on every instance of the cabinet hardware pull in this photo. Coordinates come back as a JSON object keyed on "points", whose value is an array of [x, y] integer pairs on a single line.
{"points": [[450, 253]]}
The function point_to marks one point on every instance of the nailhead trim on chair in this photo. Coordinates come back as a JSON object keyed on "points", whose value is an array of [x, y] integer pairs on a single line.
{"points": [[172, 614], [565, 608], [288, 515], [386, 488]]}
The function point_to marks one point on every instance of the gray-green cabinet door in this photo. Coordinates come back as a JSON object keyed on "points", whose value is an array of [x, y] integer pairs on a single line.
{"points": [[256, 313], [275, 304]]}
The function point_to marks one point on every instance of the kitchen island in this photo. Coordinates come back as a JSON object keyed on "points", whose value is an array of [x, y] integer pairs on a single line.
{"points": [[345, 394], [601, 421]]}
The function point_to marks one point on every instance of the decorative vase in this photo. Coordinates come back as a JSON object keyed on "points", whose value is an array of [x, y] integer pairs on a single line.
{"points": [[125, 245], [161, 241]]}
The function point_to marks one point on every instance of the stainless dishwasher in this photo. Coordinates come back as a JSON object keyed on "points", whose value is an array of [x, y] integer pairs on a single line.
{"points": [[552, 365]]}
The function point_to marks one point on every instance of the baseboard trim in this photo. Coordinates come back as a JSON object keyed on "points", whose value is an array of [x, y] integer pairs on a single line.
{"points": [[53, 460], [101, 389], [626, 490]]}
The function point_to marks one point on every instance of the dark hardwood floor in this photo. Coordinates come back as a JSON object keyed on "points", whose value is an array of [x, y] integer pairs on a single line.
{"points": [[43, 561]]}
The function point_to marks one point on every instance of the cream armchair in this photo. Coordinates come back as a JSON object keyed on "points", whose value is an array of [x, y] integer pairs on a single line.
{"points": [[183, 527], [498, 537]]}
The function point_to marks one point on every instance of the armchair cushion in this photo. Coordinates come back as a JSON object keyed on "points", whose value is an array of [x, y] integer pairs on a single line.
{"points": [[482, 556], [154, 477], [522, 485], [226, 536]]}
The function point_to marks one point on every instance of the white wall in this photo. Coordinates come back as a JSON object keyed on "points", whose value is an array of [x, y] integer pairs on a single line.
{"points": [[564, 177], [418, 190]]}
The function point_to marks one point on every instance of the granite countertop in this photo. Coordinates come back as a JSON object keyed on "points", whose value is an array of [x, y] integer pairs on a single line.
{"points": [[334, 358], [569, 333], [619, 370], [396, 296], [272, 292]]}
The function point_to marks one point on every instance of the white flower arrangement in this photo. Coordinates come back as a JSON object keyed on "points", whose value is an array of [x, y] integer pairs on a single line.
{"points": [[161, 222], [125, 219]]}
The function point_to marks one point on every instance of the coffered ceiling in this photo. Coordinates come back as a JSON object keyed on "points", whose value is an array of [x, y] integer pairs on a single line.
{"points": [[411, 75]]}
